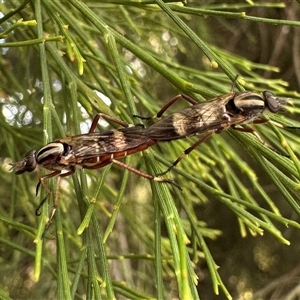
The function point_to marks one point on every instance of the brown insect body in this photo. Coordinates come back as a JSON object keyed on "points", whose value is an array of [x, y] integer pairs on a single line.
{"points": [[90, 151], [97, 149], [216, 114], [191, 120]]}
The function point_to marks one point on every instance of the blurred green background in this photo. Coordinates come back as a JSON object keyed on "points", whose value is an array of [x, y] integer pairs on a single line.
{"points": [[117, 235]]}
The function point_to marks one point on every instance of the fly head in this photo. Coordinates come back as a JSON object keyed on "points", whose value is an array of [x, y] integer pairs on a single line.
{"points": [[27, 164], [273, 103]]}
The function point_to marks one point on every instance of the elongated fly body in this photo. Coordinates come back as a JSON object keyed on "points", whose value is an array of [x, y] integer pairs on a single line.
{"points": [[212, 116], [90, 151], [215, 114], [85, 150], [95, 149], [98, 149]]}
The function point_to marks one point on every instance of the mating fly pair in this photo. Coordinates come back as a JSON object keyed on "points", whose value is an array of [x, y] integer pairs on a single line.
{"points": [[97, 149]]}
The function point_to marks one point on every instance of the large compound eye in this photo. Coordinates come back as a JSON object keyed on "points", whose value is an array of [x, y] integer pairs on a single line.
{"points": [[273, 103], [30, 161], [27, 164]]}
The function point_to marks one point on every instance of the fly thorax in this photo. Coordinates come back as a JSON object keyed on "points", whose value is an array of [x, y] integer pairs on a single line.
{"points": [[225, 112], [250, 105], [52, 152]]}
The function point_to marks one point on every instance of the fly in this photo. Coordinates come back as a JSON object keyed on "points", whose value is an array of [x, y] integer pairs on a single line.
{"points": [[212, 116], [97, 149], [89, 151]]}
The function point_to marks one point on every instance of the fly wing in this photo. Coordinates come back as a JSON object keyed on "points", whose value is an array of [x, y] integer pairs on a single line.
{"points": [[108, 142], [209, 115]]}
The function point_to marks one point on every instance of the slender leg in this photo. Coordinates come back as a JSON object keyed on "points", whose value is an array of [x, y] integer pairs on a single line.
{"points": [[55, 204], [145, 175], [108, 118], [42, 182], [249, 130], [261, 121], [132, 169], [99, 165], [168, 104], [37, 210], [188, 151], [252, 131]]}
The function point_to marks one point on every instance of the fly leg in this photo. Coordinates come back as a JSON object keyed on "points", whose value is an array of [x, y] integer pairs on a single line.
{"points": [[261, 121], [145, 175], [107, 118], [48, 192], [42, 182], [250, 130], [168, 104], [131, 169], [55, 205], [188, 151], [56, 197]]}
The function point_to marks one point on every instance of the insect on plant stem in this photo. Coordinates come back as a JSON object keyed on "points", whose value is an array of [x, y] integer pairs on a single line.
{"points": [[95, 150], [234, 110], [89, 151]]}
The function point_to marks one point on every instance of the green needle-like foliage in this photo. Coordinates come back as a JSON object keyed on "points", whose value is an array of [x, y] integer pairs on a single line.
{"points": [[116, 235]]}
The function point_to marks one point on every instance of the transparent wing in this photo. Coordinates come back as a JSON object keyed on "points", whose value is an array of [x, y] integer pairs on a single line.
{"points": [[108, 142], [215, 114]]}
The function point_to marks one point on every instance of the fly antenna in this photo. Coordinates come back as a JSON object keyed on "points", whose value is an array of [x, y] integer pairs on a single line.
{"points": [[234, 82]]}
